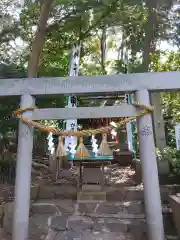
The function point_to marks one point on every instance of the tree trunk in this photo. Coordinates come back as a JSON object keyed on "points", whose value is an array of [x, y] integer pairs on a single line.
{"points": [[121, 55], [38, 42], [103, 50], [148, 50], [149, 34]]}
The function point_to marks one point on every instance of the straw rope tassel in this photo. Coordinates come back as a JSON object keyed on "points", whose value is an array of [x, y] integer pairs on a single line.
{"points": [[104, 148], [61, 153], [81, 150], [60, 148]]}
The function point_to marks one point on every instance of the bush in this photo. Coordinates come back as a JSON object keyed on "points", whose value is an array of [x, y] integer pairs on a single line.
{"points": [[173, 156]]}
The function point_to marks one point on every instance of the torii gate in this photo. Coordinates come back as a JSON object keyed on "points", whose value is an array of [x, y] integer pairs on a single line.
{"points": [[140, 83]]}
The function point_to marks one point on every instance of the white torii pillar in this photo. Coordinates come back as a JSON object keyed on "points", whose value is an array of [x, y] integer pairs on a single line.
{"points": [[150, 172], [23, 175]]}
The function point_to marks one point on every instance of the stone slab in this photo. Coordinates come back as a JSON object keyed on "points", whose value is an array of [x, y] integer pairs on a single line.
{"points": [[99, 196], [56, 206], [117, 208], [59, 191]]}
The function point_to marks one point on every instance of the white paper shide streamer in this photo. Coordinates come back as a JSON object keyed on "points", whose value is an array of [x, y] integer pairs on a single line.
{"points": [[94, 145], [51, 146]]}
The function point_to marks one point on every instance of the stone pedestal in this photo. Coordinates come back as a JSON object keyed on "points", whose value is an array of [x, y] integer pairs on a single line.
{"points": [[124, 157], [122, 138], [93, 176], [163, 167]]}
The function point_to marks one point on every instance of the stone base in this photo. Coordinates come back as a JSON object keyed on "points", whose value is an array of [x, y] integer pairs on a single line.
{"points": [[92, 175], [94, 196], [163, 167], [123, 158], [138, 174], [175, 206]]}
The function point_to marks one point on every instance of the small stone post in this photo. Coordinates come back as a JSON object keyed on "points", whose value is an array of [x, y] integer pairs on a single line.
{"points": [[23, 175], [150, 172]]}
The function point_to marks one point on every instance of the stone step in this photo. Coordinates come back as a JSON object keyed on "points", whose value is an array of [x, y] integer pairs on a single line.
{"points": [[65, 191], [121, 209], [100, 208], [170, 237], [64, 218], [54, 206], [56, 235], [87, 235], [112, 193], [83, 227]]}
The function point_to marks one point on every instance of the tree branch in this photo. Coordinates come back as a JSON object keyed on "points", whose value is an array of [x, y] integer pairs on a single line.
{"points": [[38, 42]]}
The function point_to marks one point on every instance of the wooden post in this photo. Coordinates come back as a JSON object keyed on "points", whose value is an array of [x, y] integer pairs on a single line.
{"points": [[23, 175], [150, 172]]}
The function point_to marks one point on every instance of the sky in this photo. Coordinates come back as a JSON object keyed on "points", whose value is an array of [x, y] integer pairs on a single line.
{"points": [[164, 46]]}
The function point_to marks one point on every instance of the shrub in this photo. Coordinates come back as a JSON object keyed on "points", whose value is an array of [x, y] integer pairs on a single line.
{"points": [[172, 155]]}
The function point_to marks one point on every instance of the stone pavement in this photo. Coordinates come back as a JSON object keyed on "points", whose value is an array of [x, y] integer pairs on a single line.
{"points": [[54, 219], [86, 228], [68, 220]]}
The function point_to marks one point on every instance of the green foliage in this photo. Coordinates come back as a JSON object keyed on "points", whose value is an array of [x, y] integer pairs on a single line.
{"points": [[12, 71], [161, 62], [9, 104], [173, 156]]}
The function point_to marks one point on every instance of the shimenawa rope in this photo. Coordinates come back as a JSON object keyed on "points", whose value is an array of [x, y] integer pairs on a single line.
{"points": [[86, 132]]}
